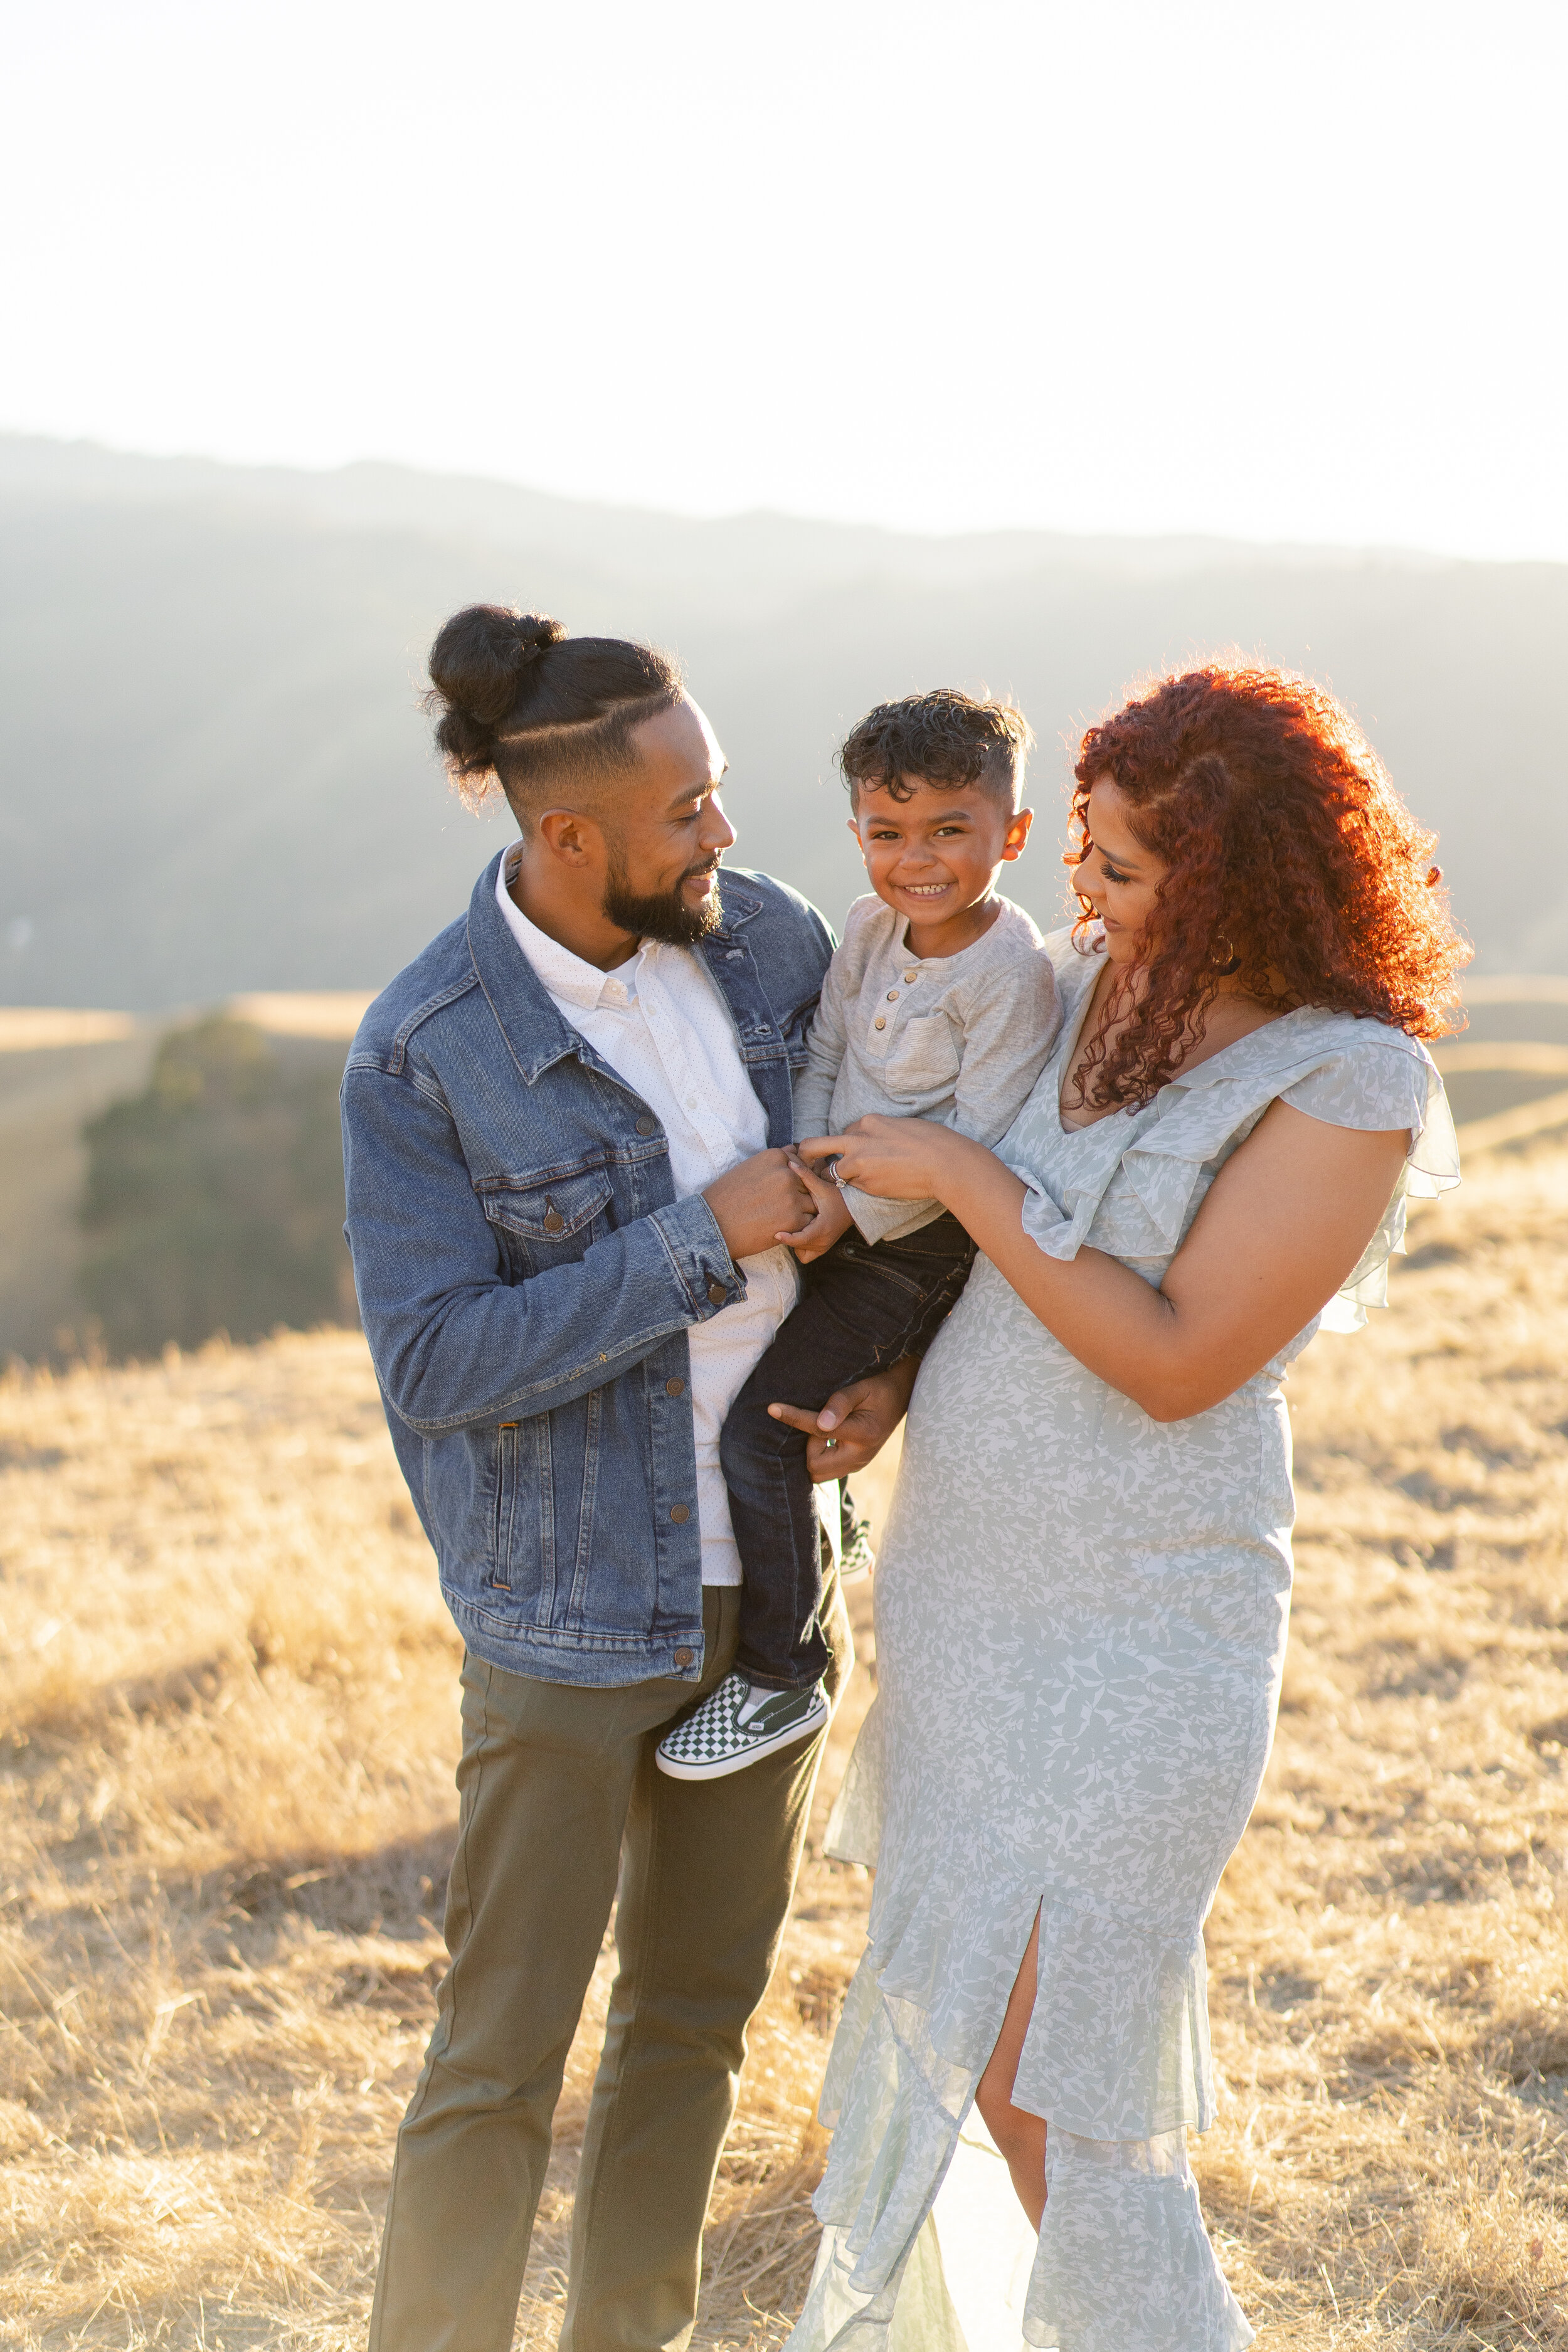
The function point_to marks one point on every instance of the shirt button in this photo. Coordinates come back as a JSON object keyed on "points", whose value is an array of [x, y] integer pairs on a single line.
{"points": [[646, 1126], [910, 977], [685, 1657], [675, 1388], [717, 1293], [880, 1022], [680, 1514], [892, 995]]}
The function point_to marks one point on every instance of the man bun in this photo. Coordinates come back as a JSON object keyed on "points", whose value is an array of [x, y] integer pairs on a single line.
{"points": [[479, 670], [517, 699]]}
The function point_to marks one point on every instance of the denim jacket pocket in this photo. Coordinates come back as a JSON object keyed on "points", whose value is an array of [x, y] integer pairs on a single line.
{"points": [[546, 1224], [523, 1544]]}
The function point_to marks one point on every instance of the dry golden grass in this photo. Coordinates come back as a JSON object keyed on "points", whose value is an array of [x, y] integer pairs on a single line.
{"points": [[231, 1723]]}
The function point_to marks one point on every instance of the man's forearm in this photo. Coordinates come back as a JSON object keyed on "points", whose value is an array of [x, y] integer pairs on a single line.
{"points": [[456, 1344]]}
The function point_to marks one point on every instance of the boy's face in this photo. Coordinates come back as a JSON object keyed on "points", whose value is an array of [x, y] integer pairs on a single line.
{"points": [[932, 855]]}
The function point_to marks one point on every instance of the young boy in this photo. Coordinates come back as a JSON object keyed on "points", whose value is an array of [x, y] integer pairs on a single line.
{"points": [[938, 1004]]}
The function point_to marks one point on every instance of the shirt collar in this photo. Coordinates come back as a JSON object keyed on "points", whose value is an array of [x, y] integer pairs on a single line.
{"points": [[568, 977]]}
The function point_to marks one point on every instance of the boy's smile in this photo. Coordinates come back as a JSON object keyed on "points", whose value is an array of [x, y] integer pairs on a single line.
{"points": [[934, 856]]}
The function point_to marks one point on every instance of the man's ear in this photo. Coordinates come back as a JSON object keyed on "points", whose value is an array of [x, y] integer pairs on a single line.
{"points": [[1017, 834], [568, 835]]}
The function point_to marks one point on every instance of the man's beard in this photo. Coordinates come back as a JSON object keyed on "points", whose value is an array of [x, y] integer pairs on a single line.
{"points": [[662, 915]]}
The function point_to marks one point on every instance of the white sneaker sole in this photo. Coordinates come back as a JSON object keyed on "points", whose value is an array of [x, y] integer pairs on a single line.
{"points": [[724, 1765]]}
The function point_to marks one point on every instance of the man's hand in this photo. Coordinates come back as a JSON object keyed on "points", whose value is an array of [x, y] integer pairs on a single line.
{"points": [[855, 1424], [832, 1217], [759, 1204]]}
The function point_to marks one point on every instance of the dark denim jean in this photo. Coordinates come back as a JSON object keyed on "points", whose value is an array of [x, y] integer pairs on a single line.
{"points": [[864, 1306]]}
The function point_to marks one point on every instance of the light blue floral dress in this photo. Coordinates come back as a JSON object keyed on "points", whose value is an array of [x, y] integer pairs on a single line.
{"points": [[1080, 1626]]}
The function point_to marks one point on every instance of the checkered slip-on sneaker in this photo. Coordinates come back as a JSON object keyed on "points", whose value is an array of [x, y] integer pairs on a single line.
{"points": [[735, 1726], [859, 1559]]}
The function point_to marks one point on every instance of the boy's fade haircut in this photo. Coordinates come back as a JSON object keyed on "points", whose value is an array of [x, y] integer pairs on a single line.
{"points": [[942, 738]]}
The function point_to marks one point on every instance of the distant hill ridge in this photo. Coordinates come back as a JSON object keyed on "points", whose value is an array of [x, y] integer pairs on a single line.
{"points": [[215, 778]]}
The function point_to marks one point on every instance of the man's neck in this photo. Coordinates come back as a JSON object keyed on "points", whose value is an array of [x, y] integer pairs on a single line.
{"points": [[580, 927]]}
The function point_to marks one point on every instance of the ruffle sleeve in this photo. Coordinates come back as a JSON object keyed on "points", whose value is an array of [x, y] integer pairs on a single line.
{"points": [[1132, 1185], [1375, 1085]]}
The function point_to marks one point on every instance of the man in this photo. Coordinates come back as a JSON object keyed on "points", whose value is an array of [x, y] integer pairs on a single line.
{"points": [[566, 1128]]}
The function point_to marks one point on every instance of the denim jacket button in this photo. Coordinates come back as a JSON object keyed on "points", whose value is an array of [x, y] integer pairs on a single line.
{"points": [[646, 1126], [685, 1657], [680, 1514], [717, 1293], [675, 1388]]}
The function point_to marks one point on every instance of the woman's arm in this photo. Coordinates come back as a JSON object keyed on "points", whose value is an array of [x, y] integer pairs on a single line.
{"points": [[1285, 1221]]}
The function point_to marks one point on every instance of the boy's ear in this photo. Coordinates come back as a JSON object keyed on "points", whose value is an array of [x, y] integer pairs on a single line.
{"points": [[854, 825], [1017, 834]]}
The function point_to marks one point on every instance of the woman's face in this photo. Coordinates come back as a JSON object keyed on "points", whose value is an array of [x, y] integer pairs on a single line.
{"points": [[1119, 877]]}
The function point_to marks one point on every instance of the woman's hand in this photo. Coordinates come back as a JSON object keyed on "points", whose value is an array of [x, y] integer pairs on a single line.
{"points": [[894, 1158], [856, 1422]]}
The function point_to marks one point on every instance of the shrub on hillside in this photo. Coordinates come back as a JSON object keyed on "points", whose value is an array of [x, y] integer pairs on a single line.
{"points": [[215, 1199]]}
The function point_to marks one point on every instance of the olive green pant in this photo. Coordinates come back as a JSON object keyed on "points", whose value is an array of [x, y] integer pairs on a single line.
{"points": [[560, 1800]]}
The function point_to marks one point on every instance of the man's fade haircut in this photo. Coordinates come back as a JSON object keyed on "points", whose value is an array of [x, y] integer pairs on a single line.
{"points": [[942, 738], [521, 703]]}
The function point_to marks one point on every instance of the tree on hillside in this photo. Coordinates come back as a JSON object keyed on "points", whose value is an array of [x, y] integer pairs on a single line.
{"points": [[215, 1199]]}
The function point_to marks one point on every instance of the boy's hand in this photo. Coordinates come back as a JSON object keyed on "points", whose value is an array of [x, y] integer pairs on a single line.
{"points": [[832, 1217]]}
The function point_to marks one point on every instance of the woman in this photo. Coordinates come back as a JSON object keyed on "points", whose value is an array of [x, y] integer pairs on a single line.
{"points": [[1081, 1604]]}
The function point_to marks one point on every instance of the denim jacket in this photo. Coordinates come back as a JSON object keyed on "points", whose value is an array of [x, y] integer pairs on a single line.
{"points": [[527, 1279]]}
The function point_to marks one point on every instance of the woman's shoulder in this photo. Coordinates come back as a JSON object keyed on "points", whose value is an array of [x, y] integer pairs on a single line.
{"points": [[1343, 1068]]}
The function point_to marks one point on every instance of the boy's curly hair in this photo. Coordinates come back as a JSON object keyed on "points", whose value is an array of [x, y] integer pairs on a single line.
{"points": [[1293, 865], [943, 738]]}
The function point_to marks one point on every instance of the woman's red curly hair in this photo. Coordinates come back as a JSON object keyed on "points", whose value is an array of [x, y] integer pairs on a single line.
{"points": [[1294, 866]]}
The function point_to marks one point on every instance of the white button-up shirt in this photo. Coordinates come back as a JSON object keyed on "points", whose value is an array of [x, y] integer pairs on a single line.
{"points": [[660, 1022]]}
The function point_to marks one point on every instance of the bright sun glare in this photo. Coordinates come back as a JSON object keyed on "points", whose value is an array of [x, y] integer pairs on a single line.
{"points": [[1265, 271]]}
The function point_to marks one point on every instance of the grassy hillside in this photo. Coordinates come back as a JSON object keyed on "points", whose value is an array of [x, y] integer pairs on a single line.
{"points": [[60, 1073], [214, 775], [226, 1809]]}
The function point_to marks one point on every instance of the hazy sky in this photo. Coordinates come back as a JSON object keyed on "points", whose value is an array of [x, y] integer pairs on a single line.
{"points": [[1285, 271]]}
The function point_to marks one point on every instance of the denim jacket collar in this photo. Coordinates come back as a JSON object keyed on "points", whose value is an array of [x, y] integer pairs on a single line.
{"points": [[537, 1034]]}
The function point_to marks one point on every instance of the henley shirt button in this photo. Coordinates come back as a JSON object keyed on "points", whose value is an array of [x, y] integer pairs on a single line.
{"points": [[717, 1293], [910, 977], [674, 1388], [685, 1657], [880, 1022], [892, 995], [646, 1126], [680, 1514]]}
